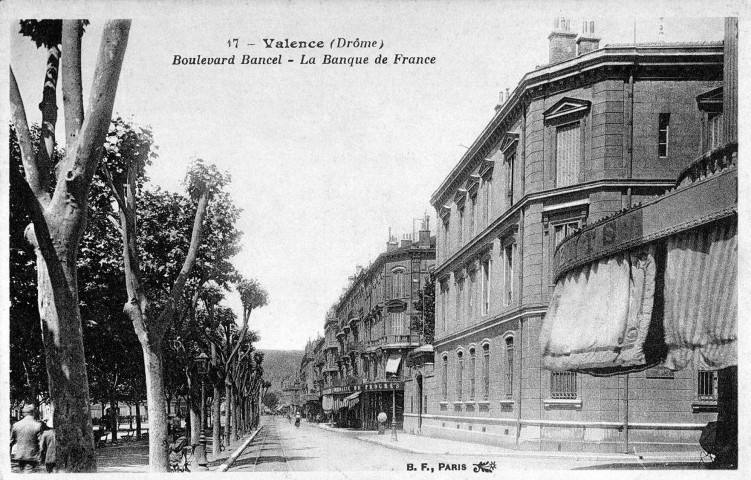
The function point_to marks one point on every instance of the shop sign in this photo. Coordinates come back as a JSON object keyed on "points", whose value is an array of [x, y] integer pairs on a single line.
{"points": [[383, 386]]}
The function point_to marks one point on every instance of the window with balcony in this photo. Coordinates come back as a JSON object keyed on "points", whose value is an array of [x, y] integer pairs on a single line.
{"points": [[567, 154], [562, 230], [563, 386], [509, 367], [485, 287], [663, 135], [397, 323], [486, 371], [459, 374], [445, 378], [472, 366]]}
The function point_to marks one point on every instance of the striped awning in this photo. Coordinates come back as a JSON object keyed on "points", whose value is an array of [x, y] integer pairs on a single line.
{"points": [[701, 297], [352, 400]]}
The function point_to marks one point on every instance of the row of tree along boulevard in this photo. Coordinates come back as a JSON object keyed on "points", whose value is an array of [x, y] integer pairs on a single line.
{"points": [[116, 285]]}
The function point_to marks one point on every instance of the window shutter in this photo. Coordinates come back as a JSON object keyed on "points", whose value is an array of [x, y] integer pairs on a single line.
{"points": [[568, 144]]}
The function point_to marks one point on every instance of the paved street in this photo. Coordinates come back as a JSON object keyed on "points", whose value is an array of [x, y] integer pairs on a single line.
{"points": [[280, 447]]}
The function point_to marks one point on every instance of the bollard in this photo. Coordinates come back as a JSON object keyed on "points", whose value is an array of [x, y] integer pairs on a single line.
{"points": [[393, 431]]}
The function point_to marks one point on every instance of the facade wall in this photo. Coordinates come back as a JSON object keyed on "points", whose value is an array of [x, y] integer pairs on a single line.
{"points": [[537, 412]]}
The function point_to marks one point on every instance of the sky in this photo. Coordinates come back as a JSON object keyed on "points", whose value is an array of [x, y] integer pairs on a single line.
{"points": [[325, 159]]}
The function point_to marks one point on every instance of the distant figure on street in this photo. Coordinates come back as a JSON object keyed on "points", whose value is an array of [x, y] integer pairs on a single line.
{"points": [[47, 445], [25, 435], [382, 417]]}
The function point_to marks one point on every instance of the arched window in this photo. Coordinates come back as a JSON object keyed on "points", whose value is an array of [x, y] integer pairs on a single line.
{"points": [[472, 365], [509, 367], [459, 374], [486, 371], [444, 386]]}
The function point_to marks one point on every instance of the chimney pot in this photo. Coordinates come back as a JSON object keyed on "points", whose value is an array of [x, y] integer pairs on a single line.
{"points": [[587, 41], [562, 41]]}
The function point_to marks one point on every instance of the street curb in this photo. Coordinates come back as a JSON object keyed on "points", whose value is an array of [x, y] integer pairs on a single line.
{"points": [[541, 454], [225, 466]]}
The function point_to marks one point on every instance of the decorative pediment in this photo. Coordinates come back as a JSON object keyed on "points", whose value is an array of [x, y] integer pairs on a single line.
{"points": [[566, 106], [509, 142], [460, 197], [395, 305], [710, 101]]}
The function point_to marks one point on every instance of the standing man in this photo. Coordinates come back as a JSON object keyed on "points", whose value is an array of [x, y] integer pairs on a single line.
{"points": [[47, 445], [25, 435]]}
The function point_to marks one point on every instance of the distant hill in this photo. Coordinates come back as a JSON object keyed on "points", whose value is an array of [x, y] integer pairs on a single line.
{"points": [[281, 364]]}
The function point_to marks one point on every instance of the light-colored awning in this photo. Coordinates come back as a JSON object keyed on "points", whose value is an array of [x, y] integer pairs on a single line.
{"points": [[701, 298], [600, 314], [392, 365], [327, 403]]}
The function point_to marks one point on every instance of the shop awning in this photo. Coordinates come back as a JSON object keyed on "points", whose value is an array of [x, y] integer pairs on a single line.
{"points": [[701, 297], [337, 404], [600, 313], [392, 365], [352, 400]]}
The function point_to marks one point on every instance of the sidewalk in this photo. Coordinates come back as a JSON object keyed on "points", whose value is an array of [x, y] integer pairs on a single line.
{"points": [[421, 444]]}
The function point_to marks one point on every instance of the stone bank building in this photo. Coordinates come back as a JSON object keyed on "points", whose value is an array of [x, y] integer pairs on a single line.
{"points": [[595, 131]]}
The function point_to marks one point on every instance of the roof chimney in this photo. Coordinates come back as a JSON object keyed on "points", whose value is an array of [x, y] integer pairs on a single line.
{"points": [[406, 240], [499, 105], [587, 41], [424, 238], [392, 244], [562, 41]]}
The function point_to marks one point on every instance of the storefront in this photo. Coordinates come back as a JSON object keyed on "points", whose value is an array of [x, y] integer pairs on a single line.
{"points": [[385, 396]]}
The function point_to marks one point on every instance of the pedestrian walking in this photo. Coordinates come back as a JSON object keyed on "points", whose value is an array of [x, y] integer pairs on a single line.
{"points": [[47, 445], [25, 435]]}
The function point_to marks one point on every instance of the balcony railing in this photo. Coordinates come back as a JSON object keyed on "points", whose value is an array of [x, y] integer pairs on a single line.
{"points": [[410, 340]]}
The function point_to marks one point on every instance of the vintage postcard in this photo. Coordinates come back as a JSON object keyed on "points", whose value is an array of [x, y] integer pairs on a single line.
{"points": [[373, 239]]}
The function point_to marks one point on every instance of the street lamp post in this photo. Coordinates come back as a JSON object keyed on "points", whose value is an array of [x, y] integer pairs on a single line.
{"points": [[202, 363]]}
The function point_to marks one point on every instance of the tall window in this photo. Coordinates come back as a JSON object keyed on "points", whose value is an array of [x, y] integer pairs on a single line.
{"points": [[510, 177], [473, 215], [485, 371], [707, 385], [398, 282], [472, 366], [459, 295], [509, 367], [508, 274], [397, 323], [488, 183], [460, 227], [563, 385], [564, 229], [444, 304], [446, 237], [663, 135], [714, 130], [567, 155], [471, 295], [459, 374], [485, 301], [444, 386]]}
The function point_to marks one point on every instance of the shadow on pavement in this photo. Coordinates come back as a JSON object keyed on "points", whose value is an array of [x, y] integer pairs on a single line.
{"points": [[647, 466], [269, 459]]}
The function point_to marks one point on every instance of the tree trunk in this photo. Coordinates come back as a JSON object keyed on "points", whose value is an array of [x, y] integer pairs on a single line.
{"points": [[216, 410], [65, 359], [228, 413], [158, 442], [195, 421], [138, 420], [114, 421]]}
